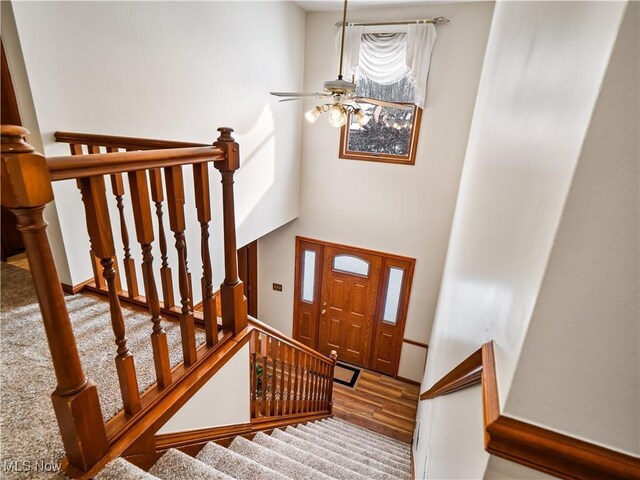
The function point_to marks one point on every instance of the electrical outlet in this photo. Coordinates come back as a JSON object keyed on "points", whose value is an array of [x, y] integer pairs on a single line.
{"points": [[277, 287]]}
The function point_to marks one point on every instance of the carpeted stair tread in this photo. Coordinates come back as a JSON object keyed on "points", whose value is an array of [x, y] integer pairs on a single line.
{"points": [[120, 469], [358, 429], [369, 435], [363, 441], [303, 432], [275, 461], [236, 465], [312, 460], [387, 457], [290, 437], [175, 465]]}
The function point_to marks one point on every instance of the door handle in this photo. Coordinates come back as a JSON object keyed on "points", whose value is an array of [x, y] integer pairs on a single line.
{"points": [[323, 311], [324, 304]]}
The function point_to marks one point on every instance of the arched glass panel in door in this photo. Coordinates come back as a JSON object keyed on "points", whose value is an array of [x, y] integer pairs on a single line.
{"points": [[351, 264]]}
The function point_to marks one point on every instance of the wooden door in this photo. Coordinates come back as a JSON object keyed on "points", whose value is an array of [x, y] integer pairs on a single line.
{"points": [[349, 294], [307, 301], [391, 314]]}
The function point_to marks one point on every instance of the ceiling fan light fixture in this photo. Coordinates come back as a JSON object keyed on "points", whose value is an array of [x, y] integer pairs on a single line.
{"points": [[361, 117], [337, 116], [313, 114]]}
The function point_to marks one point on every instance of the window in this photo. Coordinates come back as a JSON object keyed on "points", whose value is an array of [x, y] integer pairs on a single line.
{"points": [[308, 275], [392, 298], [390, 66], [351, 264]]}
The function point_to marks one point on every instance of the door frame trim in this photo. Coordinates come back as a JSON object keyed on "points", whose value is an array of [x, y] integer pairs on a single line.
{"points": [[402, 313]]}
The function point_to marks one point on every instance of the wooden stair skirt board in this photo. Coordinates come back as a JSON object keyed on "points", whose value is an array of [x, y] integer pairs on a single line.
{"points": [[521, 442]]}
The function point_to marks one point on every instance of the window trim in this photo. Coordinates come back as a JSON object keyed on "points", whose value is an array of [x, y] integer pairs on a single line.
{"points": [[409, 159]]}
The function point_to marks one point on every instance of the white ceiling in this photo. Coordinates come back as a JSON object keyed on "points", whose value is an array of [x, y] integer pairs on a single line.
{"points": [[329, 5]]}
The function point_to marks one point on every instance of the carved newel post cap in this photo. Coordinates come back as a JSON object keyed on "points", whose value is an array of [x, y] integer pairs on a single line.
{"points": [[225, 134], [13, 139], [333, 355]]}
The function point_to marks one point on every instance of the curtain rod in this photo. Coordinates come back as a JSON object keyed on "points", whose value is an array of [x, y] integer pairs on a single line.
{"points": [[435, 21]]}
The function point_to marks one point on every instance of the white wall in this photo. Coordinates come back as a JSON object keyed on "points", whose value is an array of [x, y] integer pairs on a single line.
{"points": [[26, 108], [172, 70], [579, 370], [542, 71], [399, 209], [223, 400]]}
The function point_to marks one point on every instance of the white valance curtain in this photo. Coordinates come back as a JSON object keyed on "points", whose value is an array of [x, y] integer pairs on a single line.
{"points": [[387, 56]]}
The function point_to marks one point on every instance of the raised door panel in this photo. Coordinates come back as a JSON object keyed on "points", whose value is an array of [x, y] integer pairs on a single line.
{"points": [[349, 294]]}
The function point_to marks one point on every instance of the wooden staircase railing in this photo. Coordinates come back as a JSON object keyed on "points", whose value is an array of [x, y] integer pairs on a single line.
{"points": [[27, 178], [535, 447], [287, 377]]}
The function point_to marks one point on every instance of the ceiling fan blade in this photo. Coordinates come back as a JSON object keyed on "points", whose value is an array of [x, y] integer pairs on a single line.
{"points": [[291, 94], [382, 103], [291, 99]]}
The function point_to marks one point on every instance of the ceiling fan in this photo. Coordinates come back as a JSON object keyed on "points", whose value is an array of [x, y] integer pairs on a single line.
{"points": [[340, 96]]}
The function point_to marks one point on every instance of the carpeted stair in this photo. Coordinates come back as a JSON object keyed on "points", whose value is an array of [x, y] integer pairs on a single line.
{"points": [[321, 450]]}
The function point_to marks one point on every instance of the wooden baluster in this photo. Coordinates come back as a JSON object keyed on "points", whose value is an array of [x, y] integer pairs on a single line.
{"points": [[253, 382], [290, 358], [203, 206], [157, 195], [117, 187], [296, 381], [175, 199], [26, 189], [305, 383], [274, 376], [98, 279], [334, 358], [99, 227], [92, 149], [264, 349], [283, 366], [144, 233], [314, 388], [325, 385], [234, 303], [320, 385], [259, 378]]}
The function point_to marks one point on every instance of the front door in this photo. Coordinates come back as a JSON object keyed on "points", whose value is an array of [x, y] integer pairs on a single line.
{"points": [[349, 293], [353, 301]]}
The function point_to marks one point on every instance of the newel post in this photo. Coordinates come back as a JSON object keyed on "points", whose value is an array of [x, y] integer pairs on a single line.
{"points": [[334, 359], [26, 189], [234, 303]]}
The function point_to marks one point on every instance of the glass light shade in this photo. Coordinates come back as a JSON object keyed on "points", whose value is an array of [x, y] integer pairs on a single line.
{"points": [[337, 116], [313, 114], [361, 117]]}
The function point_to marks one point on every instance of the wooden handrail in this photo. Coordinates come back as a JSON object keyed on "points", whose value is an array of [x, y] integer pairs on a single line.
{"points": [[263, 327], [26, 188], [527, 444], [114, 141], [80, 166]]}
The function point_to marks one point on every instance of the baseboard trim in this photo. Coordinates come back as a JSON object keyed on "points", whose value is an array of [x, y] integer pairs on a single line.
{"points": [[74, 289], [408, 380]]}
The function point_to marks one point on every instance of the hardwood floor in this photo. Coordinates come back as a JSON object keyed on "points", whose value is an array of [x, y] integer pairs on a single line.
{"points": [[379, 403], [19, 261]]}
